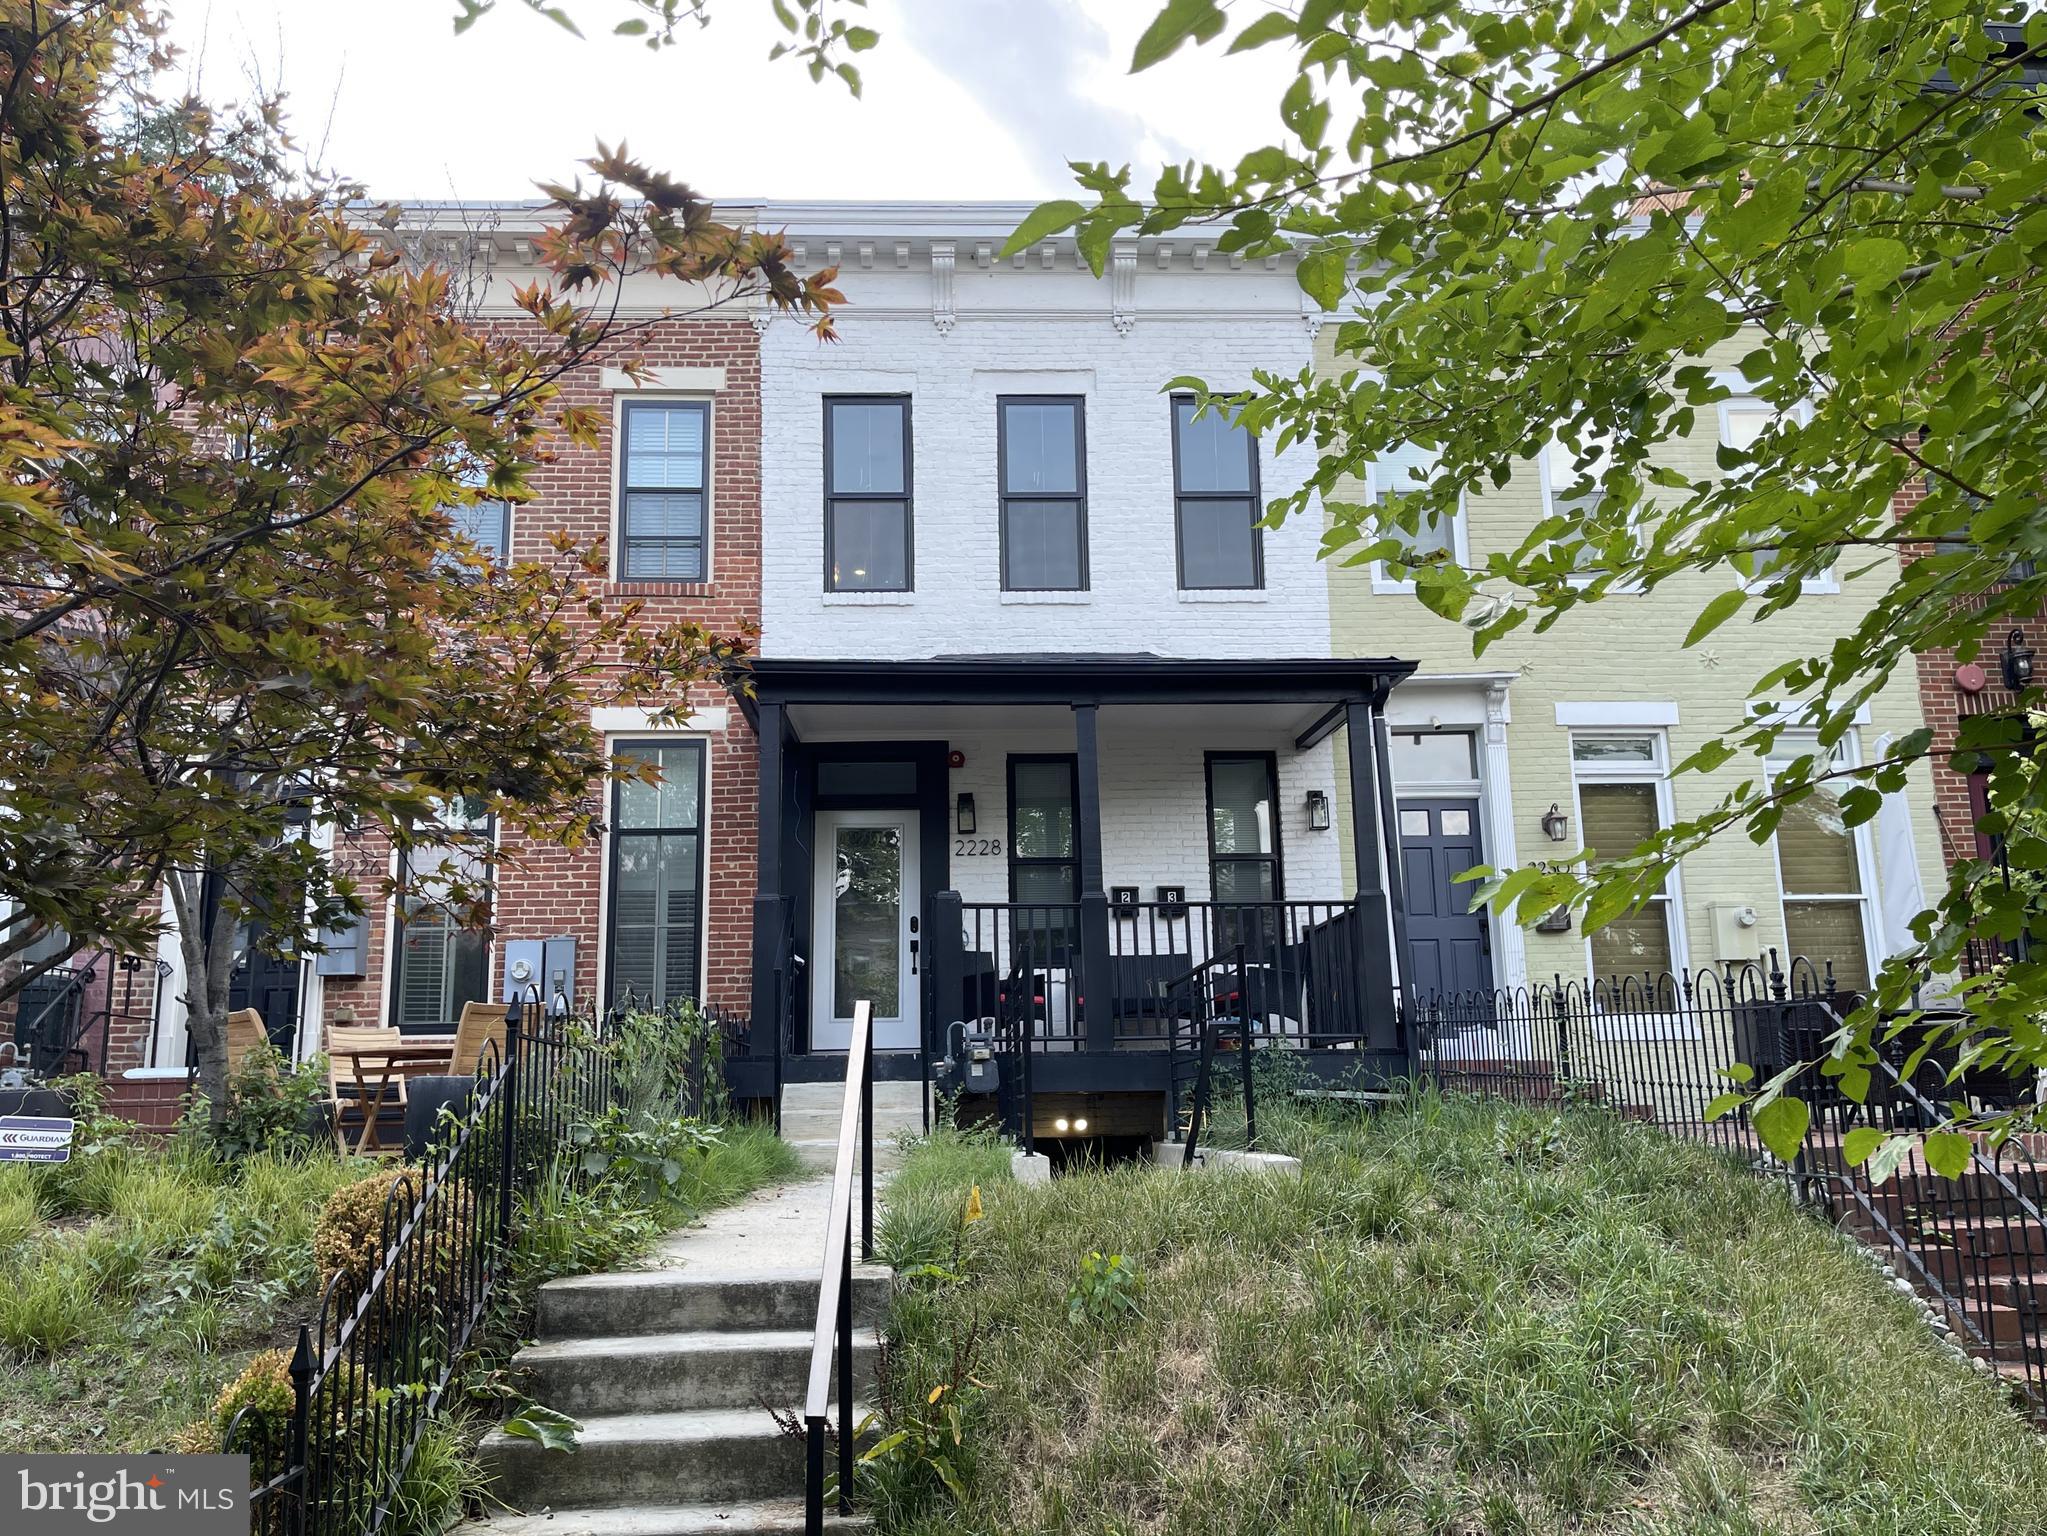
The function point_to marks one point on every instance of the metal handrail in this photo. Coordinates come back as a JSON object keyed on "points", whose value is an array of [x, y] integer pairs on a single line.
{"points": [[835, 1282]]}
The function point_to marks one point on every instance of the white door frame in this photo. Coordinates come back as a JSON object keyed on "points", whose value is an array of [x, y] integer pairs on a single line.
{"points": [[898, 1032]]}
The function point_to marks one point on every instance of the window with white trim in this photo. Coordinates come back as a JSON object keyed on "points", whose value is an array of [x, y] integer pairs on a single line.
{"points": [[1744, 422], [664, 480], [657, 874], [1406, 470], [1575, 494], [485, 522], [1823, 870], [1622, 783], [441, 958]]}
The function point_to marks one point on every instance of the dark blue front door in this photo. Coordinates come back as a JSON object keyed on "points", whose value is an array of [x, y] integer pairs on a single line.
{"points": [[1449, 946]]}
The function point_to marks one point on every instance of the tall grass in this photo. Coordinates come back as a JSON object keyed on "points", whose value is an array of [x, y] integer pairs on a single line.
{"points": [[1460, 1317]]}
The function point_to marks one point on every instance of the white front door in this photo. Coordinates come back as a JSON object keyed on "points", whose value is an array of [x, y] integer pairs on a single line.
{"points": [[864, 928]]}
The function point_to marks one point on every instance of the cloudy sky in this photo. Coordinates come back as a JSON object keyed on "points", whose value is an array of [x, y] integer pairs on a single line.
{"points": [[971, 99]]}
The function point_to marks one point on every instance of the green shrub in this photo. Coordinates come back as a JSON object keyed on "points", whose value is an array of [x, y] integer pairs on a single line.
{"points": [[349, 1238], [270, 1105], [1105, 1290], [47, 1305]]}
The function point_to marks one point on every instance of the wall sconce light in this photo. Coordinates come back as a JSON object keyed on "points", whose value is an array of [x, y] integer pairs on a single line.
{"points": [[1556, 826], [1557, 921], [963, 819], [2016, 663], [1318, 810]]}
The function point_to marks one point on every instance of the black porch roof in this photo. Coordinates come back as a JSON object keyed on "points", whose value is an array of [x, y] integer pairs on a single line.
{"points": [[1079, 678]]}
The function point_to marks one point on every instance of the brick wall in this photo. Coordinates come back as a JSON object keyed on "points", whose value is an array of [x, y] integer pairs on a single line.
{"points": [[546, 891], [1947, 703]]}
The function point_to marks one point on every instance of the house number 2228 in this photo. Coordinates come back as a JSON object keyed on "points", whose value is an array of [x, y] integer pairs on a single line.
{"points": [[963, 847]]}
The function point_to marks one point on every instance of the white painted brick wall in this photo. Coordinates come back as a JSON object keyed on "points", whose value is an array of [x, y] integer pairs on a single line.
{"points": [[998, 347], [1154, 807]]}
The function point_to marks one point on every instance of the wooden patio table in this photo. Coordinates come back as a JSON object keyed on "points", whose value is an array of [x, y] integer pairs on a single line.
{"points": [[373, 1068]]}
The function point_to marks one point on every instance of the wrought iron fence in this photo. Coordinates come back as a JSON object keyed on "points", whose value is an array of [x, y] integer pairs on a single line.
{"points": [[371, 1370], [1657, 1049]]}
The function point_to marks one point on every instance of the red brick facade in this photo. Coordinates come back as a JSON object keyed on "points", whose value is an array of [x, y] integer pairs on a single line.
{"points": [[544, 891], [1949, 693]]}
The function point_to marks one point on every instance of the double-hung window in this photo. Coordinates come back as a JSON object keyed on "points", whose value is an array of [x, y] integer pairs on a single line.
{"points": [[1576, 496], [1821, 872], [1744, 422], [486, 522], [1215, 500], [441, 959], [867, 545], [1622, 780], [657, 877], [1406, 471], [1041, 447], [663, 489], [1243, 829]]}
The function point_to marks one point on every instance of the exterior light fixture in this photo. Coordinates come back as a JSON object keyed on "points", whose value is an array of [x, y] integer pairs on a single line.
{"points": [[963, 815], [1080, 1124], [2016, 663], [1556, 826], [1318, 810], [1062, 1125]]}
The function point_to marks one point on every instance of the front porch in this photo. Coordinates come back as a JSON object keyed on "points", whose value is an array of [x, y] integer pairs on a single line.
{"points": [[1080, 851]]}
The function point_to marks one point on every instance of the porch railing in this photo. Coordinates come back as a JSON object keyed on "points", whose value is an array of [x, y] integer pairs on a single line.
{"points": [[1294, 971]]}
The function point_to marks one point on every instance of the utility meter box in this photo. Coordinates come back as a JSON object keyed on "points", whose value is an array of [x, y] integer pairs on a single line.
{"points": [[545, 965], [1737, 931]]}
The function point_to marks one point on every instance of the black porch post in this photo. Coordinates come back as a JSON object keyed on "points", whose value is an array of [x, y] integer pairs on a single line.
{"points": [[1389, 824], [770, 904], [1093, 981], [1375, 946]]}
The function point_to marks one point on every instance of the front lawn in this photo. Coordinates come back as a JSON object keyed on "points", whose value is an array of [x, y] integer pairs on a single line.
{"points": [[1463, 1317]]}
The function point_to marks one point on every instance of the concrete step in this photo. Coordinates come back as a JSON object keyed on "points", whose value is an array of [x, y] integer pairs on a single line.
{"points": [[661, 1372], [680, 1301], [705, 1455], [774, 1517]]}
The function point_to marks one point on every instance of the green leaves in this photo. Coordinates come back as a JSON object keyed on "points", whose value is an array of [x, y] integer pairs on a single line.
{"points": [[1781, 1122], [1323, 274], [1718, 611], [1874, 262], [1045, 219], [1179, 21], [553, 1431]]}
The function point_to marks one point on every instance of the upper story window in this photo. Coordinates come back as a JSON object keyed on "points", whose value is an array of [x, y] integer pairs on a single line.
{"points": [[1622, 783], [1215, 500], [663, 476], [867, 546], [1744, 422], [1403, 472], [1576, 495], [1041, 446], [486, 522]]}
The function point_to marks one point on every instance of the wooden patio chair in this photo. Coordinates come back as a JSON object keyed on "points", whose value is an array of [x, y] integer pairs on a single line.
{"points": [[342, 1093], [246, 1032], [480, 1024]]}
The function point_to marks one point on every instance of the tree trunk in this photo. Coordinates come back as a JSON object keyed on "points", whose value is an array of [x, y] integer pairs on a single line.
{"points": [[206, 932]]}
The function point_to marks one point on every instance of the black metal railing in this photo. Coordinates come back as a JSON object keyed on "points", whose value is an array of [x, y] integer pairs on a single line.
{"points": [[1298, 975], [1202, 1022], [1657, 1049], [370, 1371], [834, 1334]]}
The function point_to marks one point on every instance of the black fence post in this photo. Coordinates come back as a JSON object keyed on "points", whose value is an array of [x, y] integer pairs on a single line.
{"points": [[1245, 1037], [945, 942], [303, 1366], [1563, 1011], [508, 1126]]}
